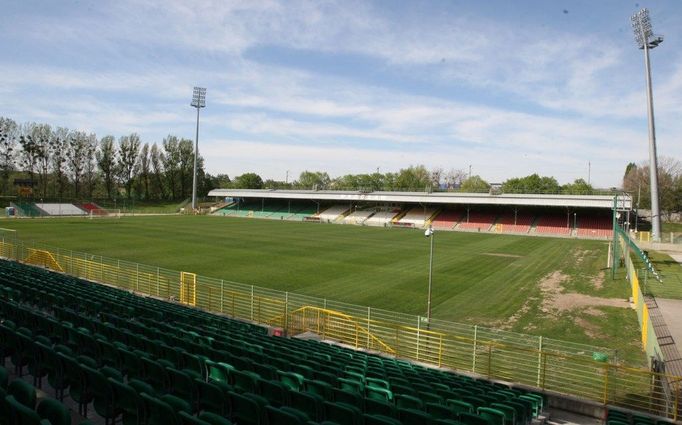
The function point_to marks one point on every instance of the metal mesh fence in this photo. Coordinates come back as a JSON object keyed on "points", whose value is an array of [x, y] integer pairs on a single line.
{"points": [[547, 364]]}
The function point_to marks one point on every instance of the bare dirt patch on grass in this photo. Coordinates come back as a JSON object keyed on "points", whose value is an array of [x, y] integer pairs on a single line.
{"points": [[555, 301]]}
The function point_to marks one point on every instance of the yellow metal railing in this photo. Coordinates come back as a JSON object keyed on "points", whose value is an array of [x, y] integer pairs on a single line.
{"points": [[552, 365]]}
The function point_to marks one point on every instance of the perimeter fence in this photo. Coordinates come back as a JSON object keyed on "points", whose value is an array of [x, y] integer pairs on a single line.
{"points": [[585, 371]]}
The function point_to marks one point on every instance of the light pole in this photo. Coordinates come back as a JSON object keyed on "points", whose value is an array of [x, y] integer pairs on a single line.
{"points": [[198, 101], [646, 40], [429, 233]]}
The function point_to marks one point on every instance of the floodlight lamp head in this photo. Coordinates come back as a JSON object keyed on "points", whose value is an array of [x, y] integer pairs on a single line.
{"points": [[644, 34], [199, 97]]}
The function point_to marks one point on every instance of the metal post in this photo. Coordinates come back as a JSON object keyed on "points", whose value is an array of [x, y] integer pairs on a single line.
{"points": [[428, 310], [198, 101], [539, 360], [653, 161], [196, 153], [473, 363]]}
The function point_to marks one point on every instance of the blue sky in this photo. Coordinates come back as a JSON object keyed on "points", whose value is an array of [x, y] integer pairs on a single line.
{"points": [[508, 87]]}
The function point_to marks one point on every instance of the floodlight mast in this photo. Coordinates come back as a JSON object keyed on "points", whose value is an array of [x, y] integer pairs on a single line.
{"points": [[646, 40], [198, 101]]}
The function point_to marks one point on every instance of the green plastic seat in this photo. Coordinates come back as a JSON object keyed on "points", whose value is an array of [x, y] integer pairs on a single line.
{"points": [[245, 410], [219, 372], [408, 402], [292, 380], [23, 392], [282, 417], [349, 398], [245, 381], [212, 397], [537, 403], [156, 374], [181, 384], [54, 411], [414, 417], [21, 414], [128, 402], [342, 413], [439, 411], [321, 388], [350, 385], [311, 404], [102, 393], [275, 391], [380, 420], [473, 419], [4, 378], [78, 389], [379, 407], [509, 412], [214, 419], [378, 393], [494, 416], [188, 419], [159, 412], [377, 383]]}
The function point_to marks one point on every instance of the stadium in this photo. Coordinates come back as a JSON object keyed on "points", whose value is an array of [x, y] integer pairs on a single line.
{"points": [[457, 282]]}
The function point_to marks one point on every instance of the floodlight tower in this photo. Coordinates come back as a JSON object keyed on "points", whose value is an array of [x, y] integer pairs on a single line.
{"points": [[198, 101], [429, 233], [646, 40]]}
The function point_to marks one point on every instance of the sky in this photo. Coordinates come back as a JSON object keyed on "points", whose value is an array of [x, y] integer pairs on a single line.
{"points": [[509, 88]]}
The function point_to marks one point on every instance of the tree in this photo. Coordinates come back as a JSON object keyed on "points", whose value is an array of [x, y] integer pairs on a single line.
{"points": [[313, 180], [145, 166], [59, 145], [29, 152], [90, 165], [475, 184], [106, 162], [531, 184], [578, 187], [248, 181], [636, 182], [41, 135], [454, 178], [77, 156], [128, 151], [156, 160], [171, 159], [8, 142], [185, 166], [413, 178]]}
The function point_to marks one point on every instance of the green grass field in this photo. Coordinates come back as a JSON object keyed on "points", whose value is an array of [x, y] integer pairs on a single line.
{"points": [[526, 284]]}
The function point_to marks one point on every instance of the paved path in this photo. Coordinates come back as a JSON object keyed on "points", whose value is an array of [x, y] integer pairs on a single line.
{"points": [[672, 314]]}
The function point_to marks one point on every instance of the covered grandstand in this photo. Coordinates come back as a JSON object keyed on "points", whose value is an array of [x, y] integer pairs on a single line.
{"points": [[584, 216]]}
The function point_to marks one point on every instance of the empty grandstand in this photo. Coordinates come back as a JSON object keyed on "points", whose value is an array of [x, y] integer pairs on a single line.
{"points": [[446, 220], [514, 222], [333, 213], [44, 209], [549, 215], [382, 218], [553, 224], [358, 216], [479, 221], [418, 216], [595, 227]]}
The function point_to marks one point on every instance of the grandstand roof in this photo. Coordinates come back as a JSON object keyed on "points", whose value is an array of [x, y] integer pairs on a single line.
{"points": [[441, 198]]}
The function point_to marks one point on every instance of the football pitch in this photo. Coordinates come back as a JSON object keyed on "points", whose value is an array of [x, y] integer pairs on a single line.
{"points": [[555, 287]]}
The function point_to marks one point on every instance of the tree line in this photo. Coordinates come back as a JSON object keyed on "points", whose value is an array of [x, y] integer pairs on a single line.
{"points": [[57, 162], [636, 182], [413, 178]]}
